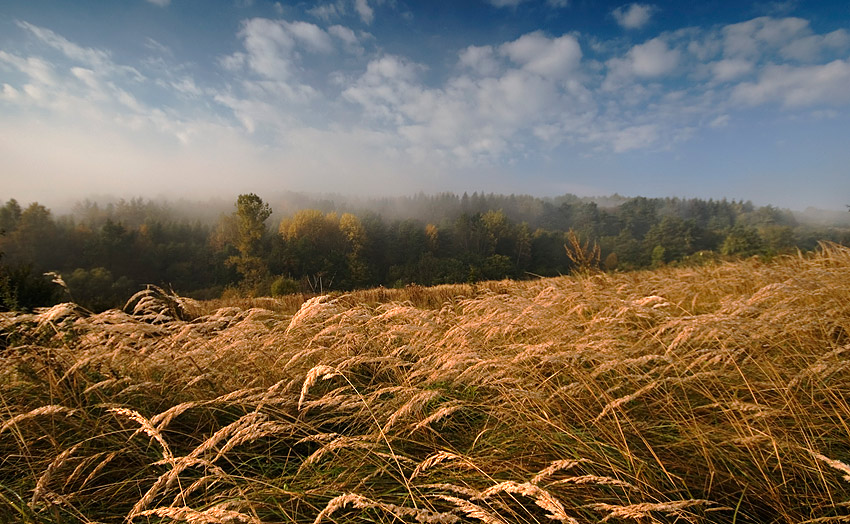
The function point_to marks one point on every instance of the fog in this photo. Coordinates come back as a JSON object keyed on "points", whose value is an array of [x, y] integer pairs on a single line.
{"points": [[418, 206]]}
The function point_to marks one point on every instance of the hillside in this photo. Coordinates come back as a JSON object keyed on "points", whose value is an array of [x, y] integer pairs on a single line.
{"points": [[105, 254], [710, 394]]}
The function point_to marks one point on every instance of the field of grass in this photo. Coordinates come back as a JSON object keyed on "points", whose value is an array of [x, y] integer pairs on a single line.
{"points": [[713, 394]]}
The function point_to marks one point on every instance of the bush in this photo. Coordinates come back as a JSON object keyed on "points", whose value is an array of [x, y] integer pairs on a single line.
{"points": [[284, 286], [22, 288], [97, 290]]}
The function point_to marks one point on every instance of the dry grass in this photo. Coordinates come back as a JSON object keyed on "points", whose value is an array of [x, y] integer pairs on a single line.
{"points": [[712, 394]]}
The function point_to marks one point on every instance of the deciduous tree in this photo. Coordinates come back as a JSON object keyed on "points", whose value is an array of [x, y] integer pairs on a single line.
{"points": [[251, 216]]}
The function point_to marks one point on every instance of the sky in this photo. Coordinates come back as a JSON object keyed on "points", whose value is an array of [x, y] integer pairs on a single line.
{"points": [[212, 98]]}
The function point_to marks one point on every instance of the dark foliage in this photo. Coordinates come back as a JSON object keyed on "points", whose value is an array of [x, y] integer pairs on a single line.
{"points": [[107, 253]]}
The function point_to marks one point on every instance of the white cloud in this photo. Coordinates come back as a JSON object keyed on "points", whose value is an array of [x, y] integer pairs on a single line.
{"points": [[348, 37], [35, 92], [9, 93], [704, 47], [809, 48], [470, 119], [384, 87], [86, 88], [328, 12], [157, 47], [91, 57], [366, 13], [730, 69], [234, 62], [311, 35], [501, 103], [519, 100], [479, 59], [548, 57], [187, 86], [720, 121], [838, 39], [96, 120], [258, 109], [85, 102], [824, 114], [268, 48], [160, 3], [619, 136], [273, 48], [753, 38], [86, 76], [97, 59], [35, 68], [505, 3], [779, 7], [798, 86], [515, 3], [634, 137], [653, 58], [633, 16], [393, 68]]}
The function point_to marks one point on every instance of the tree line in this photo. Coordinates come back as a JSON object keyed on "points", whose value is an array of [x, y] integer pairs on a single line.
{"points": [[98, 256]]}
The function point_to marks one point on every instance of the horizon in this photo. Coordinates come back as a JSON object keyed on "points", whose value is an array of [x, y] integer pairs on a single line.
{"points": [[389, 98], [285, 203]]}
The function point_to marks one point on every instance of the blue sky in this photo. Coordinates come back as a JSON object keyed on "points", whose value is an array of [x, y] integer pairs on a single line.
{"points": [[199, 98]]}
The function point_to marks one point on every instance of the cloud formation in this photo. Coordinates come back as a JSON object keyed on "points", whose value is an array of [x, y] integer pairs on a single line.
{"points": [[340, 8], [633, 16], [798, 86], [366, 13], [505, 3], [653, 58], [319, 95], [535, 91], [515, 3], [547, 57]]}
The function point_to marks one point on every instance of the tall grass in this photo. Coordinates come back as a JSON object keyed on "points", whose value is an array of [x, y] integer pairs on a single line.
{"points": [[712, 394]]}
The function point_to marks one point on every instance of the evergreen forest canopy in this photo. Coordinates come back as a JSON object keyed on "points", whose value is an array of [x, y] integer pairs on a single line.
{"points": [[99, 255]]}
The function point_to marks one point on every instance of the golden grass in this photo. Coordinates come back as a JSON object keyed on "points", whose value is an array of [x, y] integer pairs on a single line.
{"points": [[711, 394]]}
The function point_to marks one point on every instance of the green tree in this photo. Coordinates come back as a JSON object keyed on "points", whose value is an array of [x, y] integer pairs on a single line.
{"points": [[9, 216], [355, 235], [658, 256], [24, 288], [742, 241], [316, 246], [523, 248], [472, 236], [33, 240], [250, 218], [498, 233], [8, 300], [674, 235], [432, 238], [497, 267], [96, 289], [777, 239], [638, 216], [284, 286]]}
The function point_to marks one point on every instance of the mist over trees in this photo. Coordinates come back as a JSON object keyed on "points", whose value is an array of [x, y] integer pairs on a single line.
{"points": [[104, 253]]}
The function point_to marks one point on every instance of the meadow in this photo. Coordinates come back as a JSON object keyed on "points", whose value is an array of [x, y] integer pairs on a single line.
{"points": [[706, 394]]}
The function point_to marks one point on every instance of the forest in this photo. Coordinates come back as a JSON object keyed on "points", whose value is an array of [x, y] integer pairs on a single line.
{"points": [[98, 255]]}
